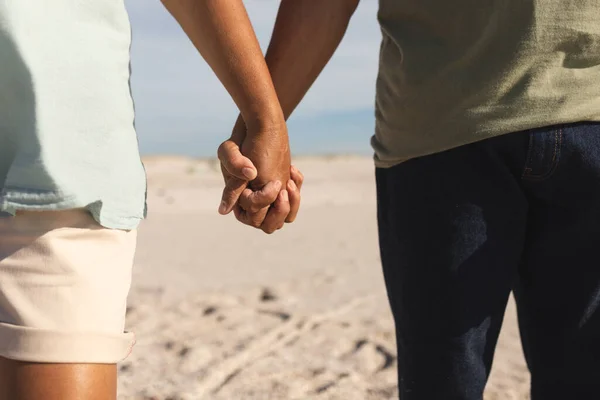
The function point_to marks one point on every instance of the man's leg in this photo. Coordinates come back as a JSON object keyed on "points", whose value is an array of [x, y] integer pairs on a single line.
{"points": [[451, 227], [30, 381], [558, 294]]}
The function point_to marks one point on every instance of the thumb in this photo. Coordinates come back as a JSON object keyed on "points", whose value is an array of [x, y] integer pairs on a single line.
{"points": [[234, 161]]}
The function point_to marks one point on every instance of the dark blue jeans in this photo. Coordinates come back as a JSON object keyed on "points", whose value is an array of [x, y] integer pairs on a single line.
{"points": [[460, 229]]}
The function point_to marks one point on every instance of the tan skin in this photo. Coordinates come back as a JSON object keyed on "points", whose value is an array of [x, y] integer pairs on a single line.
{"points": [[221, 31], [264, 203], [305, 36], [31, 381]]}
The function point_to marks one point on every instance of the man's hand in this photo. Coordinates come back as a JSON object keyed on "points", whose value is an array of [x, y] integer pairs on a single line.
{"points": [[272, 198]]}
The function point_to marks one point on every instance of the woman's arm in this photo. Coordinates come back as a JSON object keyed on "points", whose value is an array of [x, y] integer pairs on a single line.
{"points": [[223, 34]]}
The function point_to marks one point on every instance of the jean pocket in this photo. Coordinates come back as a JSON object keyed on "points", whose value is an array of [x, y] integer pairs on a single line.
{"points": [[543, 154]]}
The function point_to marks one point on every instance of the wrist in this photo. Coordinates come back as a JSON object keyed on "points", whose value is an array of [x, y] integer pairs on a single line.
{"points": [[263, 121]]}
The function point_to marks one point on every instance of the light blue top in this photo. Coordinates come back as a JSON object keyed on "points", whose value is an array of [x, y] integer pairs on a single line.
{"points": [[67, 136]]}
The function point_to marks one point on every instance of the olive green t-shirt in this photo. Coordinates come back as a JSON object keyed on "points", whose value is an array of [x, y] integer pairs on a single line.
{"points": [[454, 72]]}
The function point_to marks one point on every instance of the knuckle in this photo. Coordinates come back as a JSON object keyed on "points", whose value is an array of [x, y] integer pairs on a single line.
{"points": [[270, 200], [254, 208], [221, 151], [252, 223], [255, 223], [266, 198], [229, 197], [243, 204], [255, 219]]}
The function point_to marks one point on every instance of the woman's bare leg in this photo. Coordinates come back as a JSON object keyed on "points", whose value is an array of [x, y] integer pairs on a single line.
{"points": [[31, 381]]}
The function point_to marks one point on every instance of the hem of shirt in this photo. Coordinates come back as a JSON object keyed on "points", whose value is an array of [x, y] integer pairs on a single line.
{"points": [[483, 134], [384, 164], [13, 200], [386, 157]]}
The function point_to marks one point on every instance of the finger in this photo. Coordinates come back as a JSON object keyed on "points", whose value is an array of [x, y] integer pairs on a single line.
{"points": [[231, 193], [277, 213], [252, 219], [254, 201], [234, 161], [297, 177], [294, 195]]}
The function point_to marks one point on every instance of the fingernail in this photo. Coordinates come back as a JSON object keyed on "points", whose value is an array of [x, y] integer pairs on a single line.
{"points": [[284, 195], [292, 185], [223, 208], [277, 185], [248, 172]]}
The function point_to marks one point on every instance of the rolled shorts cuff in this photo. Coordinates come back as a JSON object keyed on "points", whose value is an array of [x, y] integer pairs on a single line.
{"points": [[46, 346]]}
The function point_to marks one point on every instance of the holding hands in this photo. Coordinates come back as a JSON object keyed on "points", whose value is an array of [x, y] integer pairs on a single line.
{"points": [[261, 187]]}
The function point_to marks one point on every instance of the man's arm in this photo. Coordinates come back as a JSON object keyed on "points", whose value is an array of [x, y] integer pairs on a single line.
{"points": [[223, 34], [305, 36]]}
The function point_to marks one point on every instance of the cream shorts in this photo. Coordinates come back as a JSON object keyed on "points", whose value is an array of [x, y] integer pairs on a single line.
{"points": [[64, 281]]}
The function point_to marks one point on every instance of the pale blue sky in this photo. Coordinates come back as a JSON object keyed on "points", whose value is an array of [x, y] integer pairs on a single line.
{"points": [[183, 109]]}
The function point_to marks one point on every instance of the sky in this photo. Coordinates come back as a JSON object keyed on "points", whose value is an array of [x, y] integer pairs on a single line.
{"points": [[182, 108]]}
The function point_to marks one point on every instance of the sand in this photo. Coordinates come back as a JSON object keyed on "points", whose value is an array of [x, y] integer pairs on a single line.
{"points": [[222, 311]]}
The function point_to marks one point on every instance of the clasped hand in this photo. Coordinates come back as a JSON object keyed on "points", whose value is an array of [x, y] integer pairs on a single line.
{"points": [[262, 188]]}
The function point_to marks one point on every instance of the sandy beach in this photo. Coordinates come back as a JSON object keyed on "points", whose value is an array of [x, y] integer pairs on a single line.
{"points": [[224, 312]]}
